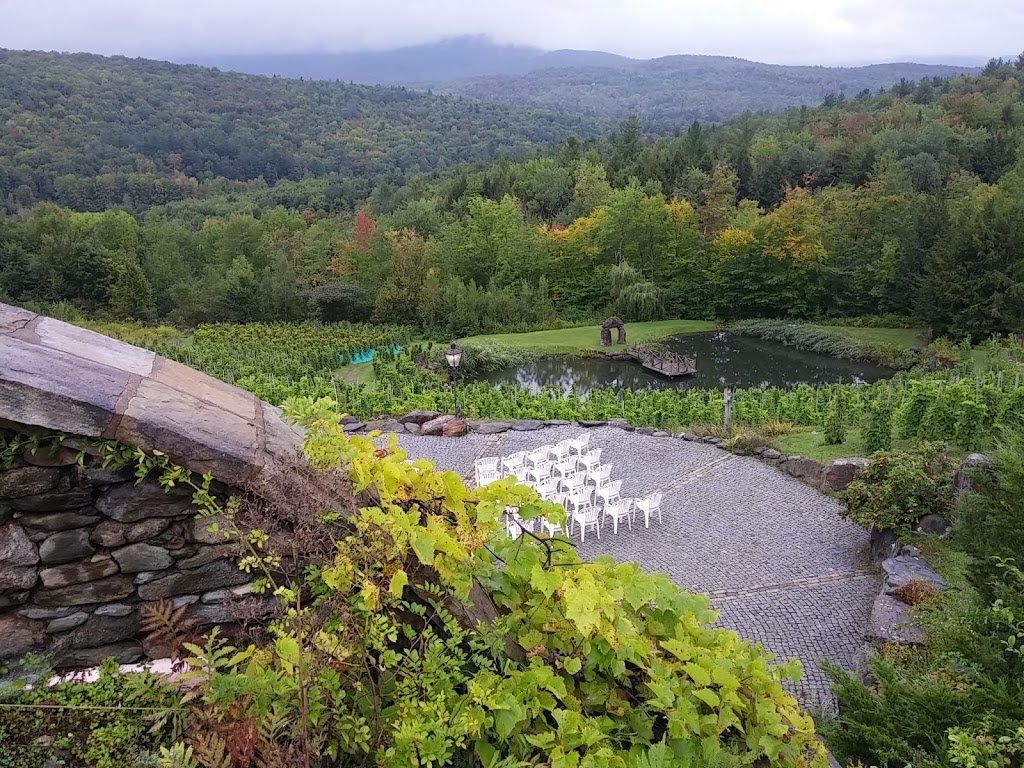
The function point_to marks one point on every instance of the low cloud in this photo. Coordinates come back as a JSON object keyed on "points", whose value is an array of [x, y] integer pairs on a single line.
{"points": [[784, 31]]}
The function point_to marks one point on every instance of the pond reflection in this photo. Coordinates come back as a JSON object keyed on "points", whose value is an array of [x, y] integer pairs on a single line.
{"points": [[722, 358]]}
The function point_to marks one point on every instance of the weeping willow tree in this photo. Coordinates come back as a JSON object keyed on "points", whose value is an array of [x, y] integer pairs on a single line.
{"points": [[635, 298]]}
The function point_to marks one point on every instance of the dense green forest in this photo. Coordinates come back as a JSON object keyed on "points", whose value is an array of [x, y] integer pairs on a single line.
{"points": [[909, 202], [89, 132], [670, 90]]}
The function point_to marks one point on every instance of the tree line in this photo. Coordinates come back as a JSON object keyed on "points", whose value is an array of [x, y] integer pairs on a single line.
{"points": [[909, 202]]}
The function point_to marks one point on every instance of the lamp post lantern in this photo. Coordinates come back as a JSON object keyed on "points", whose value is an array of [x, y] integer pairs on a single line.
{"points": [[454, 357]]}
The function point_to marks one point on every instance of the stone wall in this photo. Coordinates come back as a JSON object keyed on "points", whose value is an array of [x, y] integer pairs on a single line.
{"points": [[83, 548]]}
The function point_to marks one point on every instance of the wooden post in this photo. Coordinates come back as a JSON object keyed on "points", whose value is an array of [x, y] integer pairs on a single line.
{"points": [[728, 409]]}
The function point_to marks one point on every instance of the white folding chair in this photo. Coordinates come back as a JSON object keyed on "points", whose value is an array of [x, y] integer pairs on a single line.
{"points": [[585, 514], [487, 476], [601, 475], [541, 471], [574, 483], [591, 459], [580, 443], [610, 492], [649, 505], [539, 456], [547, 489], [618, 510], [568, 468], [560, 451]]}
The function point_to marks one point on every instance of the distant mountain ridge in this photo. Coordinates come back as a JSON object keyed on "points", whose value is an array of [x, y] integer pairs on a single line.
{"points": [[665, 92]]}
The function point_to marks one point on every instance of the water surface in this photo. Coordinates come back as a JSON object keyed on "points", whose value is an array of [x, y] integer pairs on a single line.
{"points": [[722, 358]]}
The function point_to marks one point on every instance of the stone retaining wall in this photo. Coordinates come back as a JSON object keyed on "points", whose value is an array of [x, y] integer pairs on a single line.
{"points": [[83, 548]]}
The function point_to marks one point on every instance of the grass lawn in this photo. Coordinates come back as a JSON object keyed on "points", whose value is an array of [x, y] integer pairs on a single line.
{"points": [[588, 338], [905, 338], [359, 373], [811, 444]]}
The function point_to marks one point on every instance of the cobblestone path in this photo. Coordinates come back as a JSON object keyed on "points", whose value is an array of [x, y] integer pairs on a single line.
{"points": [[778, 561]]}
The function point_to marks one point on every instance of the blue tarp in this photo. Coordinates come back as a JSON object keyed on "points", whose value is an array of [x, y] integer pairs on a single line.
{"points": [[367, 355]]}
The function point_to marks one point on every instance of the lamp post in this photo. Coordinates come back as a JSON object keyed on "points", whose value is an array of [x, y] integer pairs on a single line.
{"points": [[454, 357]]}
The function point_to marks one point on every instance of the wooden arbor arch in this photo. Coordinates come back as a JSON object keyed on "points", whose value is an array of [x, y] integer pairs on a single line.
{"points": [[606, 331]]}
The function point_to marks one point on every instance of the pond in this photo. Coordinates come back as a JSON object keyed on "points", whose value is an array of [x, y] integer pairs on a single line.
{"points": [[722, 358]]}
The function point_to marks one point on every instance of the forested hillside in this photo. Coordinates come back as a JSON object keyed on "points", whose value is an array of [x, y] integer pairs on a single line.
{"points": [[671, 90], [89, 132], [907, 203]]}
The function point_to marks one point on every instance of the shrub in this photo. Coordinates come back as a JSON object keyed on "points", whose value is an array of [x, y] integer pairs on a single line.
{"points": [[991, 518], [835, 424], [916, 593], [900, 487], [878, 435]]}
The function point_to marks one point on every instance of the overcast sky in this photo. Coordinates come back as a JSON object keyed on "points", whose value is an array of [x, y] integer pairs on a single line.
{"points": [[777, 31]]}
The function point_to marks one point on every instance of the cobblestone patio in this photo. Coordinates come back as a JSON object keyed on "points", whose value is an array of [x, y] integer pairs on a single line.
{"points": [[779, 562]]}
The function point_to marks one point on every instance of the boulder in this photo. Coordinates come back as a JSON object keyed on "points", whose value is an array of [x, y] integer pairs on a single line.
{"points": [[136, 558], [903, 569], [60, 521], [935, 524], [962, 480], [127, 652], [527, 425], [660, 433], [77, 573], [737, 451], [114, 609], [102, 630], [883, 544], [418, 417], [58, 501], [393, 426], [15, 547], [109, 533], [646, 431], [208, 555], [589, 423], [65, 546], [890, 622], [711, 440], [413, 429], [348, 419], [621, 424], [771, 454], [490, 427], [840, 473], [355, 426], [216, 529], [28, 481], [65, 623], [61, 457], [807, 470], [455, 428], [146, 529], [203, 579], [689, 437], [131, 503], [435, 426], [20, 635]]}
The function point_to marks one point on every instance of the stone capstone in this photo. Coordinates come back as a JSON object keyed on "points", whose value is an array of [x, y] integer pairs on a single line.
{"points": [[20, 635], [28, 481], [136, 558], [840, 473], [77, 573], [591, 423], [490, 427], [455, 428], [203, 579], [527, 425], [105, 590], [65, 546], [131, 503], [435, 427], [418, 417]]}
